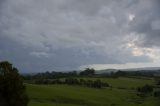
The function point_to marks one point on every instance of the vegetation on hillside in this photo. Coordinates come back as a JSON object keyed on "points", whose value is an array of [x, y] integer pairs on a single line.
{"points": [[78, 88]]}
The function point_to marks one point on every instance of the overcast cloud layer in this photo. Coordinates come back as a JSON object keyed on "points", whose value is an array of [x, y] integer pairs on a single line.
{"points": [[72, 34]]}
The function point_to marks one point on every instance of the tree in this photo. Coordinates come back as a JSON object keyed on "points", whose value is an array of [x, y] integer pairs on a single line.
{"points": [[88, 71], [12, 89]]}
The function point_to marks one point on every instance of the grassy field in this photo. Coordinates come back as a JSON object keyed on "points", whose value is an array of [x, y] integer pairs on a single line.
{"points": [[122, 93]]}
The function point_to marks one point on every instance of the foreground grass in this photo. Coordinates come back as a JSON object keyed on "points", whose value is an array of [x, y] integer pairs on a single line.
{"points": [[121, 94]]}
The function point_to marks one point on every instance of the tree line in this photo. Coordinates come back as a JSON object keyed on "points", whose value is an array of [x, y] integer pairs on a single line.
{"points": [[74, 81], [87, 72]]}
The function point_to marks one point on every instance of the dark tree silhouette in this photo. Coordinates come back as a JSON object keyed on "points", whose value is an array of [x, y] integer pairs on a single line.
{"points": [[12, 89]]}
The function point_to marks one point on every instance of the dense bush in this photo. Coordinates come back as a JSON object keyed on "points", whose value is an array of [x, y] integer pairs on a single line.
{"points": [[145, 89]]}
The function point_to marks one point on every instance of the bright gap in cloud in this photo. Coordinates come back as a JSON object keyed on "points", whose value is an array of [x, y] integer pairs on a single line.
{"points": [[131, 17]]}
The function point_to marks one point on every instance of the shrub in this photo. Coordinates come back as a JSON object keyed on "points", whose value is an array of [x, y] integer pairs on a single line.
{"points": [[145, 89]]}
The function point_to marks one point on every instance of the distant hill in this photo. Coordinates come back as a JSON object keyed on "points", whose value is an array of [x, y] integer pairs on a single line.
{"points": [[145, 69]]}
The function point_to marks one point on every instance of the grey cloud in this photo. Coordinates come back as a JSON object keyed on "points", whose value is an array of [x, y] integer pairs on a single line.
{"points": [[65, 34]]}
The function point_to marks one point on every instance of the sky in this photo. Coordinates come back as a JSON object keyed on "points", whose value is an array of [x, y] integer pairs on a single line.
{"points": [[60, 35]]}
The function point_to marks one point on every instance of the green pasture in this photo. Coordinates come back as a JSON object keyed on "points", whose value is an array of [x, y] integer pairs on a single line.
{"points": [[122, 93]]}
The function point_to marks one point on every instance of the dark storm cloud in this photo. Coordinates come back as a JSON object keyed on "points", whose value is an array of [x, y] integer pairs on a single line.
{"points": [[66, 34]]}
